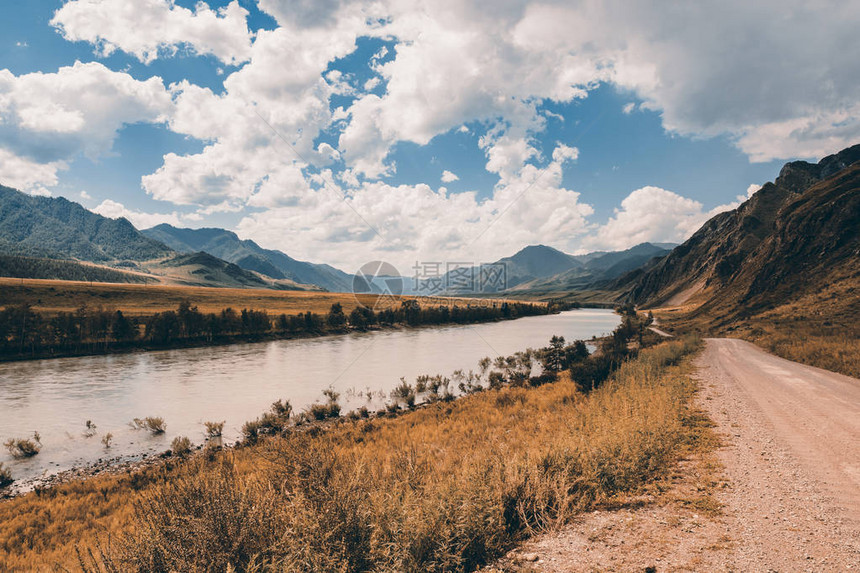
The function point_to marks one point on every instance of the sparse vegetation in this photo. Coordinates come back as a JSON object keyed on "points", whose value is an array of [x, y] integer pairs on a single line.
{"points": [[89, 429], [5, 477], [418, 492], [180, 446], [107, 439], [214, 429], [151, 424], [413, 491], [24, 447]]}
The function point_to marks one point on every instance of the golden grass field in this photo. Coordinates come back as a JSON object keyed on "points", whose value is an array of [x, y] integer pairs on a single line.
{"points": [[52, 296], [443, 488]]}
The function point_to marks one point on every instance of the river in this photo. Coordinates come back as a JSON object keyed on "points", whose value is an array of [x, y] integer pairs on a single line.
{"points": [[237, 383]]}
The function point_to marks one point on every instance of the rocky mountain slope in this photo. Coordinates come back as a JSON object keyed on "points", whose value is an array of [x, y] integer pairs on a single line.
{"points": [[796, 235]]}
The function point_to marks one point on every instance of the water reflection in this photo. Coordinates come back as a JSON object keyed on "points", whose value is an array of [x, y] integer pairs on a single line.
{"points": [[236, 383]]}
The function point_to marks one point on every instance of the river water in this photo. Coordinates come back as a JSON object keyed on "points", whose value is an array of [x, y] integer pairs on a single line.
{"points": [[237, 383]]}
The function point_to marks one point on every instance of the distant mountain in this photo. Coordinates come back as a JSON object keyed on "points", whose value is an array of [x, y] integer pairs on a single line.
{"points": [[539, 270], [250, 256], [58, 228], [38, 236], [536, 261], [594, 269], [796, 239]]}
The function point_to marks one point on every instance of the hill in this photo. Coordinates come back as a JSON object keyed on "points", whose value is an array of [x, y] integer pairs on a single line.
{"points": [[54, 269], [593, 270], [59, 228], [250, 256], [782, 269]]}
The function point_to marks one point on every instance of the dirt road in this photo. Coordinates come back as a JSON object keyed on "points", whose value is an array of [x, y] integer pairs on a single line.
{"points": [[790, 481]]}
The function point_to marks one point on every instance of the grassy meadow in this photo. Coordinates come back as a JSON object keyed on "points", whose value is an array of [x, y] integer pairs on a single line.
{"points": [[137, 300], [445, 487]]}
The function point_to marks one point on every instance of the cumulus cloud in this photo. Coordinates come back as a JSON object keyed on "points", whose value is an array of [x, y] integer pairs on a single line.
{"points": [[378, 220], [449, 177], [140, 219], [148, 28], [48, 119], [651, 214], [453, 64]]}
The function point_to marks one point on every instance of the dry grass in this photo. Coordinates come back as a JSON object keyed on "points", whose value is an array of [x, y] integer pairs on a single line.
{"points": [[445, 487], [51, 296]]}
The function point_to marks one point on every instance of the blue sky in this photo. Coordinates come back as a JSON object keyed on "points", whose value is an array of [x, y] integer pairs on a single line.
{"points": [[324, 129]]}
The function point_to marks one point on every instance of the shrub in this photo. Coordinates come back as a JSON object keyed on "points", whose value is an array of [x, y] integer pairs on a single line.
{"points": [[251, 431], [282, 409], [402, 390], [214, 429], [324, 411], [106, 440], [180, 446], [24, 448], [5, 477], [331, 394], [90, 429], [154, 425]]}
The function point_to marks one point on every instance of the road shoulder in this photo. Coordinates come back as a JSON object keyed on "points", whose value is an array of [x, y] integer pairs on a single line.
{"points": [[772, 516]]}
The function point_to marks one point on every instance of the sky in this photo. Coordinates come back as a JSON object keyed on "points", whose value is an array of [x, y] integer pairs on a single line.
{"points": [[407, 131]]}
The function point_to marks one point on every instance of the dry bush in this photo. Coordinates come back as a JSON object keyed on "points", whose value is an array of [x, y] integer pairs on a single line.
{"points": [[151, 424], [180, 446], [214, 429], [24, 447], [5, 476]]}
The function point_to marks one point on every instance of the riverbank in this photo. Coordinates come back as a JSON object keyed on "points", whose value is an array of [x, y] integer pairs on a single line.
{"points": [[491, 466], [25, 334]]}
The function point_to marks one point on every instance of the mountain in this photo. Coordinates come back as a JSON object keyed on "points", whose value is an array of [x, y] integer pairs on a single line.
{"points": [[38, 236], [539, 270], [594, 269], [536, 261], [250, 256], [782, 270], [59, 228], [794, 237]]}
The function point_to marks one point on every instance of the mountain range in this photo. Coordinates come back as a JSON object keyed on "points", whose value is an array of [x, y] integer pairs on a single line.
{"points": [[792, 249], [250, 256], [49, 229]]}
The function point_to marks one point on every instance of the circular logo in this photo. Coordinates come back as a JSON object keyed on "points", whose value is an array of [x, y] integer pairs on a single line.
{"points": [[381, 279]]}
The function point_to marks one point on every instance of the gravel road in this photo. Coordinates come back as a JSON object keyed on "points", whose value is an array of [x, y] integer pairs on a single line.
{"points": [[792, 458], [790, 482]]}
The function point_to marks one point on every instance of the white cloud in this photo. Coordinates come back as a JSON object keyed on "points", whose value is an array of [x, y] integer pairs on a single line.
{"points": [[752, 189], [85, 196], [628, 108], [454, 64], [148, 28], [651, 214], [48, 119], [27, 175], [776, 96], [341, 228], [140, 219], [448, 177]]}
